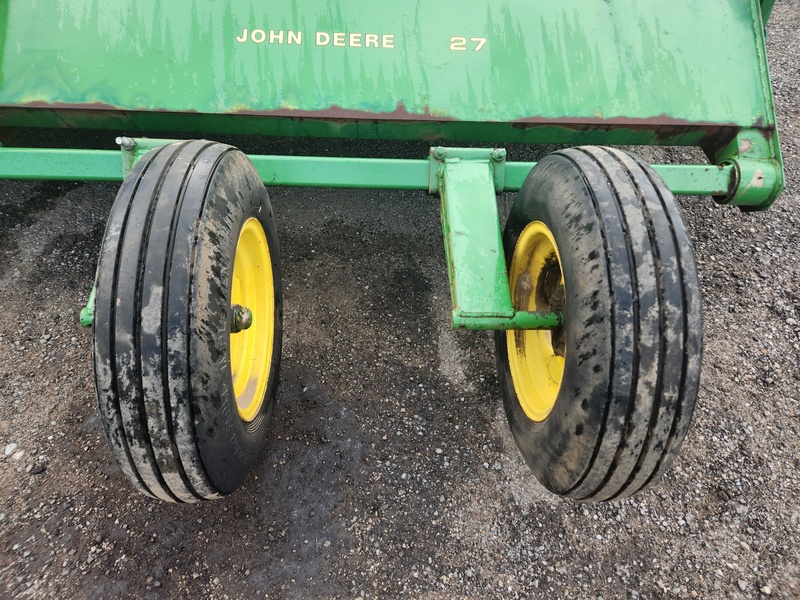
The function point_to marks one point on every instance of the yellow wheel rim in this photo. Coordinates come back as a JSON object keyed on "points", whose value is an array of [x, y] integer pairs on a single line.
{"points": [[536, 358], [251, 349]]}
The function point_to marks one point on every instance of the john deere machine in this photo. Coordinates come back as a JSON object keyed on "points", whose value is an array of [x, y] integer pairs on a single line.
{"points": [[590, 286]]}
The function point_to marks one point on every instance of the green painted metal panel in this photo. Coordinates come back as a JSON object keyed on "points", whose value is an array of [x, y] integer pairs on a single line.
{"points": [[487, 133], [666, 67]]}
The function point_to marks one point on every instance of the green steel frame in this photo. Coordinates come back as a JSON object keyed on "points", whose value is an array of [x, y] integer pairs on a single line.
{"points": [[311, 171], [467, 181]]}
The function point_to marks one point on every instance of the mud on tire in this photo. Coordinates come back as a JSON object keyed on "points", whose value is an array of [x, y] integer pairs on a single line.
{"points": [[631, 344], [162, 341]]}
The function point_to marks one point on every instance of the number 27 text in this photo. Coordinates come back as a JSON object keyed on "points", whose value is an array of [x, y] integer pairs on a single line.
{"points": [[462, 44]]}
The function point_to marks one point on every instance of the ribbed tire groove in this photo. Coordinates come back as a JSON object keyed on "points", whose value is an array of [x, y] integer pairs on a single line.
{"points": [[633, 325], [665, 399], [173, 334], [137, 413], [106, 380], [156, 263], [175, 347], [629, 307], [163, 280], [692, 324]]}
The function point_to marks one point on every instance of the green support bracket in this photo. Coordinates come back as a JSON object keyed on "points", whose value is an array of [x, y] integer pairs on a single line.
{"points": [[766, 9], [87, 312], [757, 176], [748, 172], [494, 157], [134, 149], [467, 181]]}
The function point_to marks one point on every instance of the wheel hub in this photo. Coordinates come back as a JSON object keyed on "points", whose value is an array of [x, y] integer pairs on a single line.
{"points": [[251, 343], [536, 357]]}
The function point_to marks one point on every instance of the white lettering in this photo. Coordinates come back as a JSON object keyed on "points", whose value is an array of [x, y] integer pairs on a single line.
{"points": [[481, 41], [338, 39], [458, 44]]}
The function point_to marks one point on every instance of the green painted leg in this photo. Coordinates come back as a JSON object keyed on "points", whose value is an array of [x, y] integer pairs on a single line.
{"points": [[467, 181]]}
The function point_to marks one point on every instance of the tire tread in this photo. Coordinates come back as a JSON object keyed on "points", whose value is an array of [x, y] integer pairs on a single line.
{"points": [[650, 340], [144, 319]]}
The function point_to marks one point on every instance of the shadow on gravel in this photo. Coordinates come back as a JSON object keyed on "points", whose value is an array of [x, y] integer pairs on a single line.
{"points": [[314, 449], [38, 196]]}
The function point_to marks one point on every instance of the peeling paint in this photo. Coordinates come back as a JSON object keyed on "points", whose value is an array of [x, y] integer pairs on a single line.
{"points": [[756, 182]]}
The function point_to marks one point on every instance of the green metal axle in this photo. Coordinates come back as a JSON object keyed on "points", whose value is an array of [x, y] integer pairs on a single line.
{"points": [[312, 171], [520, 320]]}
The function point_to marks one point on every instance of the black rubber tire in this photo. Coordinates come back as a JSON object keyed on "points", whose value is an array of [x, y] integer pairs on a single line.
{"points": [[633, 325], [162, 322]]}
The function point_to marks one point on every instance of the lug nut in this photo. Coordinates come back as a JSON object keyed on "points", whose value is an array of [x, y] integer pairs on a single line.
{"points": [[241, 318]]}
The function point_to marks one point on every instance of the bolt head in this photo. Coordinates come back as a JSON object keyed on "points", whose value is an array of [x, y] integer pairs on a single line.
{"points": [[242, 318]]}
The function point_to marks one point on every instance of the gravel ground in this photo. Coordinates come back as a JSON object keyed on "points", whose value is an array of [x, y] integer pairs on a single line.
{"points": [[390, 471]]}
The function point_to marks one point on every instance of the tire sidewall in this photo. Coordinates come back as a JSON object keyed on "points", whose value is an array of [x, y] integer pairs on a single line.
{"points": [[228, 446]]}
